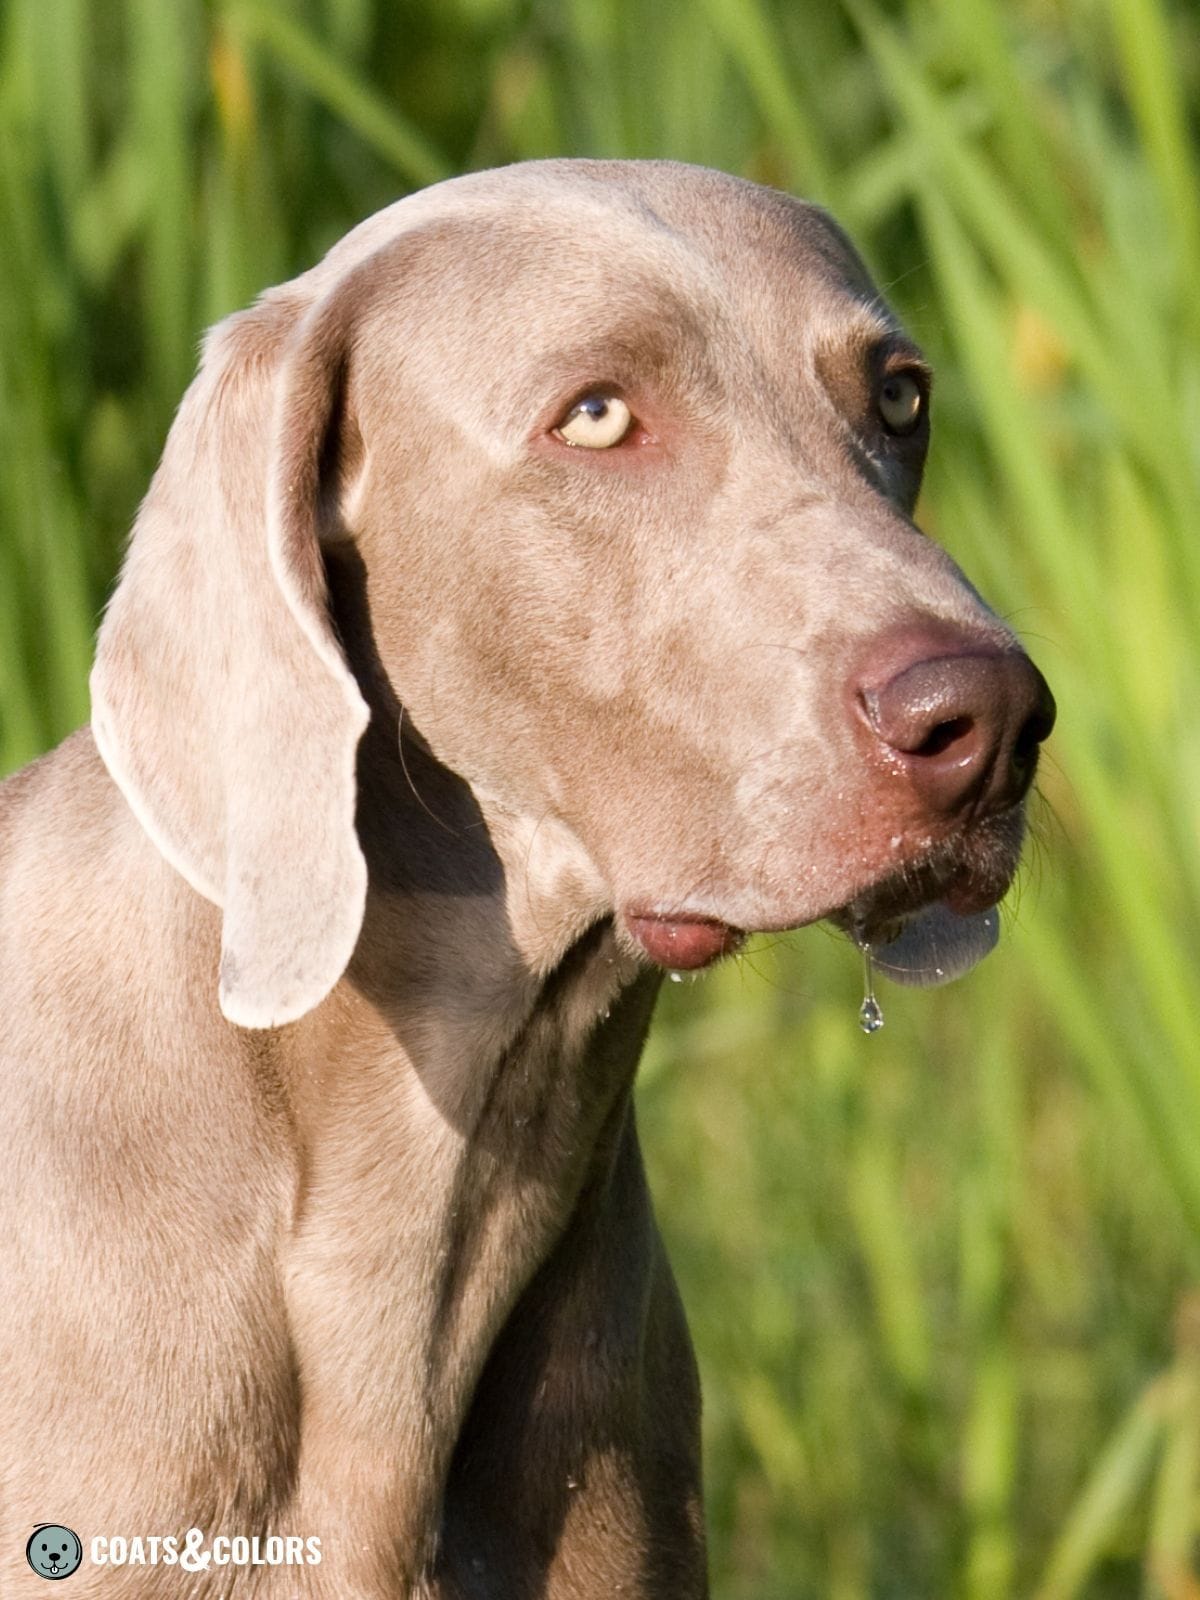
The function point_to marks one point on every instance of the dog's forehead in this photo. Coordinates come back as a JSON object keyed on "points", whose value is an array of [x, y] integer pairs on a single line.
{"points": [[572, 257], [683, 223]]}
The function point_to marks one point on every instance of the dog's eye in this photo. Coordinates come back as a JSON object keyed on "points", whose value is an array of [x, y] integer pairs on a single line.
{"points": [[597, 422], [900, 402]]}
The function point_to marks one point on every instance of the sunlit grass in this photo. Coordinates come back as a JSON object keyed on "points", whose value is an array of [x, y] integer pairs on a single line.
{"points": [[942, 1280]]}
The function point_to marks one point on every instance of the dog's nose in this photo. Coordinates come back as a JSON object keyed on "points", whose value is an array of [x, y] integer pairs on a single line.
{"points": [[965, 728]]}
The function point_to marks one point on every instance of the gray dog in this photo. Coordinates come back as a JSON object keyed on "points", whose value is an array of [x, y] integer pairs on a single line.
{"points": [[527, 601]]}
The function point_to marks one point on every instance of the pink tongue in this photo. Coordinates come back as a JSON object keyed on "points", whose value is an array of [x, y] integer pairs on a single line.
{"points": [[683, 943]]}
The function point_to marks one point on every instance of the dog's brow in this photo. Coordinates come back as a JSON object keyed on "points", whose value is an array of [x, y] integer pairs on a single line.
{"points": [[897, 349], [870, 337], [669, 349]]}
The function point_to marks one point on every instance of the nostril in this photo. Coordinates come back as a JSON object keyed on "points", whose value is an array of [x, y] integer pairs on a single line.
{"points": [[1034, 731], [1038, 725], [943, 736]]}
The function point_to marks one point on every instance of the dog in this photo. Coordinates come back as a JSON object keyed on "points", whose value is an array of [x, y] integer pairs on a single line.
{"points": [[527, 602]]}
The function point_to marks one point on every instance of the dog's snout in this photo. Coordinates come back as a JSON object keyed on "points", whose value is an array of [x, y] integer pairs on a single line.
{"points": [[965, 728]]}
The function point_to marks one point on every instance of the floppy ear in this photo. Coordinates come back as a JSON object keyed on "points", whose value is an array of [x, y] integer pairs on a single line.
{"points": [[221, 702]]}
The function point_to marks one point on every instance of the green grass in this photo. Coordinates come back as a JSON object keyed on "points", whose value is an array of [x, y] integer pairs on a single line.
{"points": [[945, 1282]]}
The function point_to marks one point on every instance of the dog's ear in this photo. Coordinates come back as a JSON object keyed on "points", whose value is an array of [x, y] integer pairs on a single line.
{"points": [[222, 703]]}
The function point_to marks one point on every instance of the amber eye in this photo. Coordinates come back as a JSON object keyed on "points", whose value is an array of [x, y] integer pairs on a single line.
{"points": [[597, 422], [900, 402]]}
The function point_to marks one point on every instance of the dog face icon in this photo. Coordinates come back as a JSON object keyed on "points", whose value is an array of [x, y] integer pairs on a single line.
{"points": [[54, 1551]]}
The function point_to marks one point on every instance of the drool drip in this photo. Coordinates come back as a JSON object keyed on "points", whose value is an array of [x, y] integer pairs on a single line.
{"points": [[870, 1013]]}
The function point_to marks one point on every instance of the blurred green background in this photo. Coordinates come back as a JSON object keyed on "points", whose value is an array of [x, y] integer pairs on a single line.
{"points": [[944, 1282]]}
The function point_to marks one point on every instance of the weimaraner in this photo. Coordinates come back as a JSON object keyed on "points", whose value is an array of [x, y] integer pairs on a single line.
{"points": [[527, 602]]}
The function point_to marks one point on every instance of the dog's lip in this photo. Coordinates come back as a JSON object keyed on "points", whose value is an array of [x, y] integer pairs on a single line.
{"points": [[926, 922], [686, 941], [931, 944], [879, 912], [683, 941], [935, 919]]}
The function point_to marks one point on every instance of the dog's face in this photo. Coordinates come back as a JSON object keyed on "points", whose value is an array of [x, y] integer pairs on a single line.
{"points": [[53, 1551], [628, 452], [676, 441]]}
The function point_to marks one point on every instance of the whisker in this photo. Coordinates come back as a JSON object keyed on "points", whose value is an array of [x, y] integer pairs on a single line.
{"points": [[408, 778]]}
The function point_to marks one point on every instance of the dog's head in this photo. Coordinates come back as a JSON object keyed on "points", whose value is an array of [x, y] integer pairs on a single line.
{"points": [[629, 453], [53, 1551]]}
